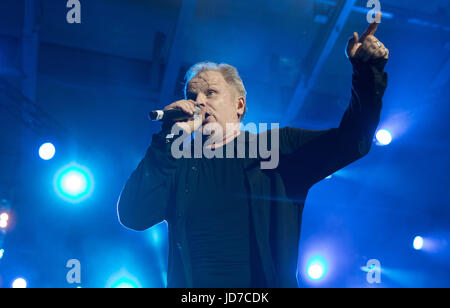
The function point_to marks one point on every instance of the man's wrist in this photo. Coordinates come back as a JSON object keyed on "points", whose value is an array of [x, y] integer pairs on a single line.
{"points": [[367, 66]]}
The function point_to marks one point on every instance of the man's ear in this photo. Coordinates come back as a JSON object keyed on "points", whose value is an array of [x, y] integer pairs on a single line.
{"points": [[240, 106]]}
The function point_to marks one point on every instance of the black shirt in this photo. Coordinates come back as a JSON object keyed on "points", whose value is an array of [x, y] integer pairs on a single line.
{"points": [[218, 224]]}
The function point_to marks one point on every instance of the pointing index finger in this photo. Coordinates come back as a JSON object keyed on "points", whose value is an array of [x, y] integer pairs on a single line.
{"points": [[372, 27]]}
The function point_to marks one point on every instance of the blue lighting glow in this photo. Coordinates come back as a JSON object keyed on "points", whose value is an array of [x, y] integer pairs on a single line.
{"points": [[157, 234], [123, 280], [73, 183], [2, 252], [19, 283], [125, 283], [418, 243], [4, 216], [316, 268], [3, 224], [47, 151], [384, 137]]}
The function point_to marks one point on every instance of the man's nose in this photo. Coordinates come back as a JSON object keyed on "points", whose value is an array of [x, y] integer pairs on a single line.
{"points": [[200, 101]]}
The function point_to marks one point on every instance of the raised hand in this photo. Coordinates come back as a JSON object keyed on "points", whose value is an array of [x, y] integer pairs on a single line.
{"points": [[367, 47]]}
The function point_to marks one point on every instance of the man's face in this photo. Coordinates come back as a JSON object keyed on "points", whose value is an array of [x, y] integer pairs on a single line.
{"points": [[218, 101]]}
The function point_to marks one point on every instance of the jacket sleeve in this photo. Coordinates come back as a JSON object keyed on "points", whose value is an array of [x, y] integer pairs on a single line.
{"points": [[144, 200], [308, 156]]}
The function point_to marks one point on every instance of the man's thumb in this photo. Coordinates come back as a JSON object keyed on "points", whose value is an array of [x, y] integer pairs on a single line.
{"points": [[351, 44], [354, 39]]}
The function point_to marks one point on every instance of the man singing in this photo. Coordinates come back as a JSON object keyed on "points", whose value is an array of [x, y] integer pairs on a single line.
{"points": [[231, 222]]}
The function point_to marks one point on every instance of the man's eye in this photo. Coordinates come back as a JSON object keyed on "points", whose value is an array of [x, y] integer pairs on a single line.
{"points": [[211, 92]]}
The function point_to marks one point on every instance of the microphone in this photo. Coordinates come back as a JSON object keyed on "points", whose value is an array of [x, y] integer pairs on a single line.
{"points": [[171, 115]]}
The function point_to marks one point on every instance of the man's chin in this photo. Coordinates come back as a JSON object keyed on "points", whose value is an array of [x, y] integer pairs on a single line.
{"points": [[211, 128], [209, 119]]}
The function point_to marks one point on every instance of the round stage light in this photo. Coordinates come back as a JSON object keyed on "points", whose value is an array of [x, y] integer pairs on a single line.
{"points": [[123, 279], [125, 283], [2, 252], [3, 224], [316, 268], [418, 243], [4, 216], [315, 271], [47, 151], [73, 183], [384, 137], [19, 283]]}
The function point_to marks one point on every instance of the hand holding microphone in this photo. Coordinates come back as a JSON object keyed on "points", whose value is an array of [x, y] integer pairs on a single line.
{"points": [[183, 113]]}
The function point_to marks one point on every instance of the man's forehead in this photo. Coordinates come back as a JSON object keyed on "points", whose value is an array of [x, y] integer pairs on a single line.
{"points": [[205, 79]]}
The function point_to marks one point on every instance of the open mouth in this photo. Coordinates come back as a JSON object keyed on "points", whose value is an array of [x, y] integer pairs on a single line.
{"points": [[208, 118]]}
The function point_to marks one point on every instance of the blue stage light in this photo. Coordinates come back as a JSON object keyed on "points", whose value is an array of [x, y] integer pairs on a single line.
{"points": [[384, 137], [2, 252], [73, 183], [125, 283], [418, 243], [157, 233], [47, 151], [4, 216], [123, 279], [316, 268], [155, 236], [19, 283], [3, 224]]}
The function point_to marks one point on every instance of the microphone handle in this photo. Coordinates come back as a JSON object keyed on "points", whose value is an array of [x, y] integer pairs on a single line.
{"points": [[170, 115]]}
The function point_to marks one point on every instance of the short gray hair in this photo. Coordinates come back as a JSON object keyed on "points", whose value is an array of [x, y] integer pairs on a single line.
{"points": [[229, 73]]}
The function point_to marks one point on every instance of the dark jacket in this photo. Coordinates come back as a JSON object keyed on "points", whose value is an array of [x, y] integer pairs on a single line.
{"points": [[155, 190]]}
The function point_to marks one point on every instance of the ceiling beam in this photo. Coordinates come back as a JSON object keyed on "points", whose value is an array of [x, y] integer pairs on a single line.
{"points": [[30, 48], [177, 50], [442, 76], [305, 85]]}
